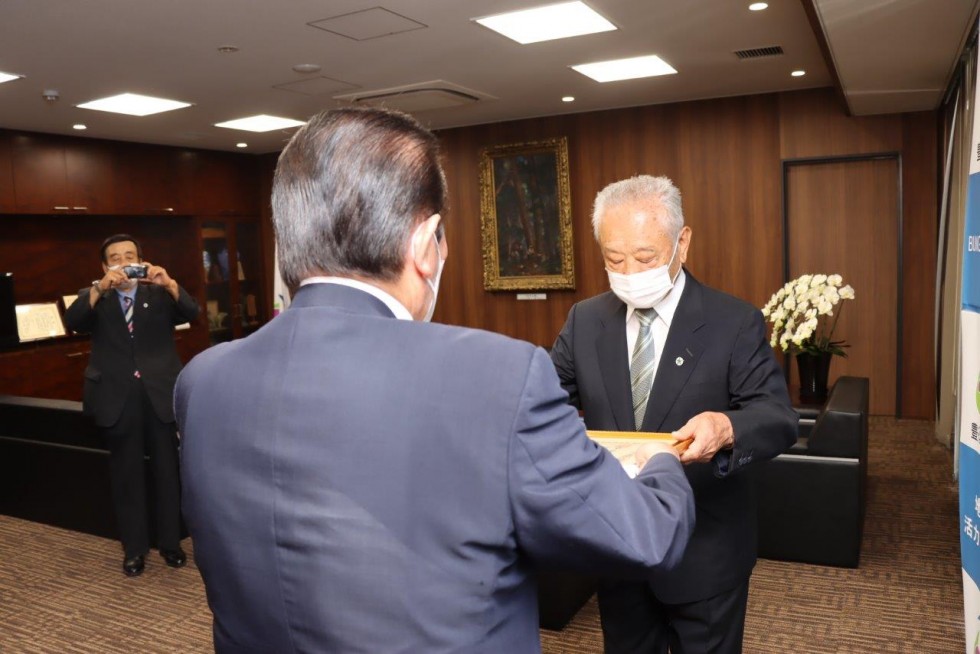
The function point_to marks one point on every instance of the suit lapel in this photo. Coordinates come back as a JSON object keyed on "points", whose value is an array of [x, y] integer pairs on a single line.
{"points": [[142, 297], [117, 317], [680, 355], [615, 368]]}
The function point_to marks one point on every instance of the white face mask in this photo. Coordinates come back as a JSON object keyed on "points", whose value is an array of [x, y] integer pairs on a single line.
{"points": [[434, 285], [643, 290]]}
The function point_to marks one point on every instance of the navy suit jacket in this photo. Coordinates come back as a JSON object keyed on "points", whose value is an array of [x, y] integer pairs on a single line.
{"points": [[716, 358], [116, 354], [357, 483]]}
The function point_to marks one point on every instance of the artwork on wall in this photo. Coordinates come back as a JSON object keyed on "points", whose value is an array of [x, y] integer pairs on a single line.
{"points": [[526, 216]]}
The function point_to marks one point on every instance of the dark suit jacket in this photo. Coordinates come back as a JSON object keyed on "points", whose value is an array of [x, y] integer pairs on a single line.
{"points": [[357, 483], [716, 358], [115, 354]]}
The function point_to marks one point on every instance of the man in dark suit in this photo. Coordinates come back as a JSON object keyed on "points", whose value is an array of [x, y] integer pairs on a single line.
{"points": [[129, 385], [359, 480], [661, 353]]}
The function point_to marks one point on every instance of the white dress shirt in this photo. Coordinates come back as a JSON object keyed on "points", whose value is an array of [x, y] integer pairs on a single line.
{"points": [[396, 307], [661, 324]]}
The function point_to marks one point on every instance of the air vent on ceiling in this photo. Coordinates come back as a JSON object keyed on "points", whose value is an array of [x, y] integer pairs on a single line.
{"points": [[756, 53], [426, 96]]}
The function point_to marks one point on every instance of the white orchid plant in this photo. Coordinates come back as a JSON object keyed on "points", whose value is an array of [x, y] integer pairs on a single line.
{"points": [[803, 317]]}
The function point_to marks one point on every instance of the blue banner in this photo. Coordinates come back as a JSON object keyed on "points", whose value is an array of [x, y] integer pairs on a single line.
{"points": [[969, 404]]}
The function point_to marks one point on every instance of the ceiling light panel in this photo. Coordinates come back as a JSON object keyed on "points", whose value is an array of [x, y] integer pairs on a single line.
{"points": [[133, 104], [547, 23], [8, 77], [620, 69], [260, 123]]}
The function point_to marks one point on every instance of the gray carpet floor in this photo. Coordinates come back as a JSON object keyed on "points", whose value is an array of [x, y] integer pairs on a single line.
{"points": [[62, 591]]}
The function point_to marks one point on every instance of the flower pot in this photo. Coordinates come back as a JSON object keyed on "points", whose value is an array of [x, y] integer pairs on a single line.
{"points": [[814, 370]]}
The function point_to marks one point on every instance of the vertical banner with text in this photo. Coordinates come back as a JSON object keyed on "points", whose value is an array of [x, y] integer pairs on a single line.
{"points": [[969, 422]]}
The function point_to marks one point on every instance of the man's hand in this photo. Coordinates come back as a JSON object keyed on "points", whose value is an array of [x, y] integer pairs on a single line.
{"points": [[710, 431], [646, 452], [113, 278], [158, 275]]}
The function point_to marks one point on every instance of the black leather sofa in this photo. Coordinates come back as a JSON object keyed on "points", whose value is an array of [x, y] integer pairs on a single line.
{"points": [[54, 467], [812, 498]]}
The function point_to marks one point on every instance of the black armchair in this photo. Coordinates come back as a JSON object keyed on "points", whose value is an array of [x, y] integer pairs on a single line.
{"points": [[812, 498]]}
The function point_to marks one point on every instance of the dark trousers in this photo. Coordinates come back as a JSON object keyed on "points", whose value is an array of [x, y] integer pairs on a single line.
{"points": [[634, 621], [139, 432]]}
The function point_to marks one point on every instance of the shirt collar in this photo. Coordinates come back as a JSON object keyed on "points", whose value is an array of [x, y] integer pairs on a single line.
{"points": [[130, 293], [393, 305], [668, 305]]}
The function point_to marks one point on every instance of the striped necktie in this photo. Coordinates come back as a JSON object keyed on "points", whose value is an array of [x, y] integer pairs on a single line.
{"points": [[128, 302], [641, 365]]}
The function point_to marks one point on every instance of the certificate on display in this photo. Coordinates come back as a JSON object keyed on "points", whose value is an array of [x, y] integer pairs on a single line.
{"points": [[623, 445], [68, 299], [37, 321]]}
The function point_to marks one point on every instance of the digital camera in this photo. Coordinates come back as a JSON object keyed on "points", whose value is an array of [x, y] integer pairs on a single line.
{"points": [[135, 271]]}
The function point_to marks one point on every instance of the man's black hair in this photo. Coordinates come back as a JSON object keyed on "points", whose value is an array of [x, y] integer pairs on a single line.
{"points": [[119, 238]]}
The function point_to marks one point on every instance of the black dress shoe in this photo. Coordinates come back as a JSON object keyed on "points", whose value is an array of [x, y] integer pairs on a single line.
{"points": [[133, 567], [174, 558]]}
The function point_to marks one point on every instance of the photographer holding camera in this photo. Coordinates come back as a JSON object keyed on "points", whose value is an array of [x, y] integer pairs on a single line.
{"points": [[129, 382]]}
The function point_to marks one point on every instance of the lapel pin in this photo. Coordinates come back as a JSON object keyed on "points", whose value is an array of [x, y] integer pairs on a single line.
{"points": [[679, 361], [146, 306]]}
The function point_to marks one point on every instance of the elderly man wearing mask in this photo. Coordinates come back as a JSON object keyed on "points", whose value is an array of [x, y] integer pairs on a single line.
{"points": [[661, 352]]}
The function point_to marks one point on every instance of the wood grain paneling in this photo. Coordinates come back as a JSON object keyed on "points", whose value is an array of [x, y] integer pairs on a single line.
{"points": [[726, 157], [920, 186], [7, 201], [843, 217], [39, 173], [722, 154], [52, 256], [813, 124]]}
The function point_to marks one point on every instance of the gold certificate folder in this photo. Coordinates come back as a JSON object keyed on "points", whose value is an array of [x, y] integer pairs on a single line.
{"points": [[618, 441]]}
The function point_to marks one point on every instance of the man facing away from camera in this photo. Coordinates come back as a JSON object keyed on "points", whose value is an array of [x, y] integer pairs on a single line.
{"points": [[662, 352], [357, 479], [131, 312]]}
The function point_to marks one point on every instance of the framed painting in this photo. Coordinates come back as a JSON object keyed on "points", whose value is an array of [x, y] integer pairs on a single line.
{"points": [[526, 216]]}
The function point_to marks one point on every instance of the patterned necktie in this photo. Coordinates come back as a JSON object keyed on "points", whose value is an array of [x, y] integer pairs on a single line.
{"points": [[641, 365], [128, 302]]}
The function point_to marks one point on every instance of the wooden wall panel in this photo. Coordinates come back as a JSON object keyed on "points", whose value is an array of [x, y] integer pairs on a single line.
{"points": [[722, 154], [813, 124], [920, 185], [843, 218], [725, 155], [7, 201], [52, 256]]}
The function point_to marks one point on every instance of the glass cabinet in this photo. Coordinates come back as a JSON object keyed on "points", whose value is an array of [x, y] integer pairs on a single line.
{"points": [[232, 262]]}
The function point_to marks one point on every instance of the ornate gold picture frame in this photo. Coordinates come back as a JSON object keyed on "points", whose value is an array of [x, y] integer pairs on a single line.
{"points": [[526, 216]]}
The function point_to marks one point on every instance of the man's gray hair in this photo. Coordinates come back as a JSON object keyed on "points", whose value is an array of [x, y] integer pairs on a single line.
{"points": [[349, 188], [639, 190]]}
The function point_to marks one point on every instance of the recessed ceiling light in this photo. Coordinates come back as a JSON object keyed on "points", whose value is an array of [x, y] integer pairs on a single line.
{"points": [[798, 73], [547, 23], [8, 77], [568, 98], [227, 49], [133, 104], [758, 6], [306, 68], [260, 123], [632, 68], [79, 126], [241, 145]]}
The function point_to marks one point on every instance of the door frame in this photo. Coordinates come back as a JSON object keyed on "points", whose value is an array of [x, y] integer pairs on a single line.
{"points": [[787, 164]]}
